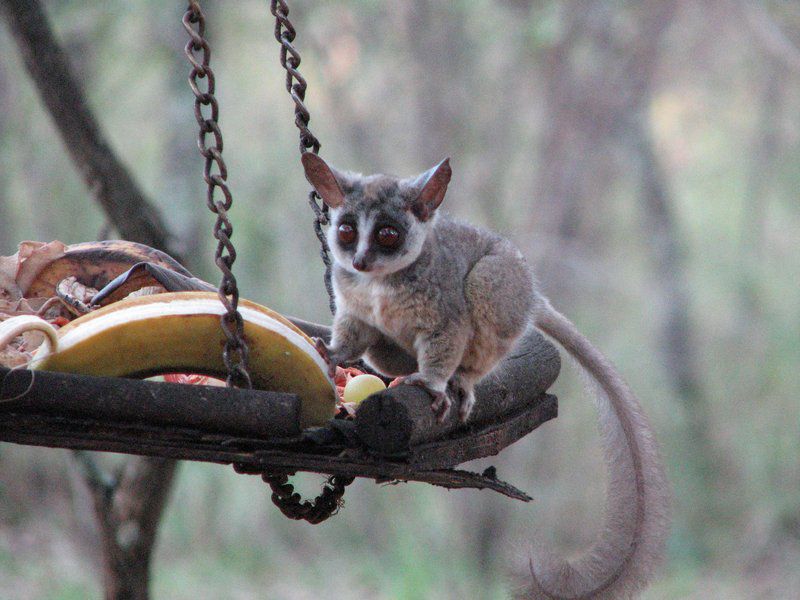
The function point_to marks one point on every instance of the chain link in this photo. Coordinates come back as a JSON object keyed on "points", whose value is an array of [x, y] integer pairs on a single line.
{"points": [[296, 85], [215, 174]]}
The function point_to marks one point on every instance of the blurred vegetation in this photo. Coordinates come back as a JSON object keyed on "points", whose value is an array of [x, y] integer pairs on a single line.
{"points": [[646, 159]]}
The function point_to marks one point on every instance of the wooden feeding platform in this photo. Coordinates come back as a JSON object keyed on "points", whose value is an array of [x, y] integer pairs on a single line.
{"points": [[393, 437]]}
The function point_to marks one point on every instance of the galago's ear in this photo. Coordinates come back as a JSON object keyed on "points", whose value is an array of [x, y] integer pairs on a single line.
{"points": [[323, 178], [432, 185]]}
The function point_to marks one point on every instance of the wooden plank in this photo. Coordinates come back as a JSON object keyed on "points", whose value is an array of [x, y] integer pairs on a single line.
{"points": [[392, 422], [252, 456], [241, 412]]}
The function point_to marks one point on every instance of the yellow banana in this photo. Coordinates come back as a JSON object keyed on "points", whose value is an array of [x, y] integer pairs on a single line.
{"points": [[180, 333]]}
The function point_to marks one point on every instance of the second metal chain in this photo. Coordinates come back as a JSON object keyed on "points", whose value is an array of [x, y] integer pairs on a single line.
{"points": [[284, 497], [296, 86], [215, 174]]}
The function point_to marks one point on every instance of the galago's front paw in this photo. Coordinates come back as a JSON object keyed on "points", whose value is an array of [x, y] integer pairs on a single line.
{"points": [[441, 402], [324, 352]]}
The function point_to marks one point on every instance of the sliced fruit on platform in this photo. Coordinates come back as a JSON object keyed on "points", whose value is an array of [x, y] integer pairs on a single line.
{"points": [[181, 333]]}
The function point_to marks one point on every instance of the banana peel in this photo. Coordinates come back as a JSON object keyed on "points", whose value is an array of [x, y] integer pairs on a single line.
{"points": [[180, 333], [94, 264]]}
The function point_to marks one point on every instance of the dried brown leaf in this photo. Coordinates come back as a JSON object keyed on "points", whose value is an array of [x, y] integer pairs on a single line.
{"points": [[19, 270], [11, 357], [33, 257], [9, 290]]}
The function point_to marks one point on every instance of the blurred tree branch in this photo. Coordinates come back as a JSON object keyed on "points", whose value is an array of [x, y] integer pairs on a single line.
{"points": [[128, 507], [711, 467], [768, 33], [586, 92], [132, 213], [599, 107], [599, 78], [769, 145]]}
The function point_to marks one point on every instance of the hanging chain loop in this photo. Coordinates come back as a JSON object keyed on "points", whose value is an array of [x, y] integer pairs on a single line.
{"points": [[296, 85], [320, 509], [215, 174]]}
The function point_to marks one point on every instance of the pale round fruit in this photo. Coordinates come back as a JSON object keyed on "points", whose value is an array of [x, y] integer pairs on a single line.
{"points": [[361, 386]]}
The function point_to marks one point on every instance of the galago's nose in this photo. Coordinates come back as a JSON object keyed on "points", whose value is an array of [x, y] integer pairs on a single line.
{"points": [[360, 264]]}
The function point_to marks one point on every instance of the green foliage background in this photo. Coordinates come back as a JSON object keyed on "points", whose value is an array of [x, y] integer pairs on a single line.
{"points": [[394, 86]]}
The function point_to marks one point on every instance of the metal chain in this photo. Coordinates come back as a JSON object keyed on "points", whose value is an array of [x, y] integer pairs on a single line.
{"points": [[321, 508], [284, 497], [296, 86], [215, 174]]}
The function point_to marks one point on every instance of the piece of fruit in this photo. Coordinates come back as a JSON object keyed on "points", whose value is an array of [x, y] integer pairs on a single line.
{"points": [[343, 375], [180, 333], [361, 386]]}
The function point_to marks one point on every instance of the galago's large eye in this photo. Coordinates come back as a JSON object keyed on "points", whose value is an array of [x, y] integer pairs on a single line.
{"points": [[388, 237], [347, 233]]}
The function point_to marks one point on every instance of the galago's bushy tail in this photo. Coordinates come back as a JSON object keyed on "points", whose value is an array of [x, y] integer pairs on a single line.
{"points": [[630, 548]]}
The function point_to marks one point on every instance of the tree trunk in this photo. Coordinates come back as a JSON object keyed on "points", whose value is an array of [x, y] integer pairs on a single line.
{"points": [[129, 507], [129, 513]]}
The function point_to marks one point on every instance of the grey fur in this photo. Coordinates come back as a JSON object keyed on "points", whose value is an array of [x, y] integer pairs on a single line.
{"points": [[450, 302]]}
